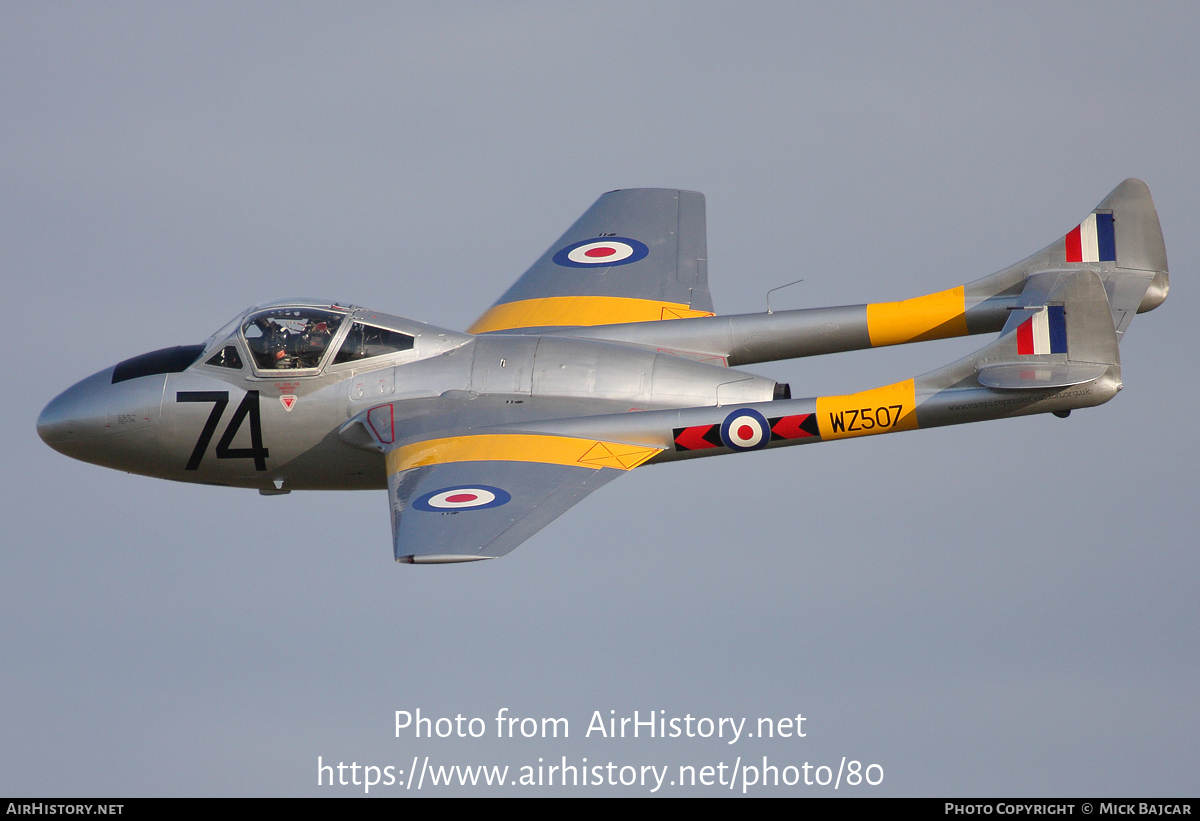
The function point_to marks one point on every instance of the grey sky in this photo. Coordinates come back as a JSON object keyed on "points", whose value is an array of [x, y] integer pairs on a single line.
{"points": [[1004, 609]]}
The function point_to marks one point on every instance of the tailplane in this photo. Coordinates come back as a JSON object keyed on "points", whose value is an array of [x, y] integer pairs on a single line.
{"points": [[1057, 351], [1120, 241], [1062, 334]]}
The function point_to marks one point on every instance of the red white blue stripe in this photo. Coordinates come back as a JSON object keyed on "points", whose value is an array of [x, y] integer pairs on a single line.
{"points": [[1043, 333], [1093, 240]]}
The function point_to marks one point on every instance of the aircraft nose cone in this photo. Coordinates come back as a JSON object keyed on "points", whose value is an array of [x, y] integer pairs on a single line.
{"points": [[77, 413], [49, 423]]}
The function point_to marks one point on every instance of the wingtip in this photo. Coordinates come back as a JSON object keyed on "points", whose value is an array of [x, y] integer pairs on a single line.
{"points": [[440, 558]]}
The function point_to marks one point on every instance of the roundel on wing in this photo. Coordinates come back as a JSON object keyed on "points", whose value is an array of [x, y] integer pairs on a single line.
{"points": [[745, 429], [465, 497], [601, 253]]}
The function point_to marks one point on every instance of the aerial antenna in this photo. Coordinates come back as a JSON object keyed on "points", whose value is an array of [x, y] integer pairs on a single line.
{"points": [[780, 288]]}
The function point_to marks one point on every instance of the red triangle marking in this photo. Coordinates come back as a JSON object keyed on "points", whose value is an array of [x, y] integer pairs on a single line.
{"points": [[693, 438], [789, 427], [288, 402]]}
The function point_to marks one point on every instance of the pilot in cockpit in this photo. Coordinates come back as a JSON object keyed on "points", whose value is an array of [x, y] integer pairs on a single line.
{"points": [[290, 338]]}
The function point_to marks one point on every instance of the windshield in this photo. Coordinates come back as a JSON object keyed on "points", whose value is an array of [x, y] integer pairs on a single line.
{"points": [[291, 338]]}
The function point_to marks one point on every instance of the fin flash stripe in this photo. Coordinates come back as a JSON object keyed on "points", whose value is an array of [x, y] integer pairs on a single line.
{"points": [[574, 311], [1092, 240], [1043, 333], [519, 447], [933, 316]]}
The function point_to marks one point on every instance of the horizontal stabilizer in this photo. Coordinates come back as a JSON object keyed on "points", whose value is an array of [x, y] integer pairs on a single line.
{"points": [[1029, 375]]}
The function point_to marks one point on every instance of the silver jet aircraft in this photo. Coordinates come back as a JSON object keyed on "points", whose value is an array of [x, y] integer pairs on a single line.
{"points": [[603, 357]]}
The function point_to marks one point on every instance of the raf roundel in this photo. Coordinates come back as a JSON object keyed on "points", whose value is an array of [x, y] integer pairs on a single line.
{"points": [[467, 497], [601, 253], [745, 429]]}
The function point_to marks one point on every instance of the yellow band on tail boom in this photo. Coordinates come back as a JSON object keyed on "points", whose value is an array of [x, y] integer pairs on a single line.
{"points": [[933, 316], [880, 410]]}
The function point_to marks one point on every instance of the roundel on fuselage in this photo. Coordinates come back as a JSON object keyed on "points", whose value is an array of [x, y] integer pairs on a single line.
{"points": [[745, 429]]}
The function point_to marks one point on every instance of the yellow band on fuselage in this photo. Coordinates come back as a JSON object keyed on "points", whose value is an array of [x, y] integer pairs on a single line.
{"points": [[519, 447], [578, 310], [933, 316], [880, 410]]}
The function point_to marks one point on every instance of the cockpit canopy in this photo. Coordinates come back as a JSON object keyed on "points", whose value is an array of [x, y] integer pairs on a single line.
{"points": [[291, 338], [300, 336], [365, 341]]}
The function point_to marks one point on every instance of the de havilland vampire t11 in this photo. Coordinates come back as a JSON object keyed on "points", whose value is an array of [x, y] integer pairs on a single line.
{"points": [[604, 356]]}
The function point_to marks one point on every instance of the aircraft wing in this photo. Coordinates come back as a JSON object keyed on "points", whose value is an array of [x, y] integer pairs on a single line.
{"points": [[637, 255], [478, 495]]}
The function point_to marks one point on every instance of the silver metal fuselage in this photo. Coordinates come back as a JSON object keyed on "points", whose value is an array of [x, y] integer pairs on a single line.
{"points": [[197, 425]]}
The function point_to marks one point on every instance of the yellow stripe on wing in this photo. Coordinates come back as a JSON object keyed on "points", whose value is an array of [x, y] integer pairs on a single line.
{"points": [[578, 310], [519, 447], [933, 316]]}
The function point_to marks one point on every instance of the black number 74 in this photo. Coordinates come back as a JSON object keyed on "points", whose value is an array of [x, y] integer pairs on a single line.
{"points": [[248, 407]]}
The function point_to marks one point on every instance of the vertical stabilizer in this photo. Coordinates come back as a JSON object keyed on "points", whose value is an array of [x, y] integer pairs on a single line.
{"points": [[1120, 240]]}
